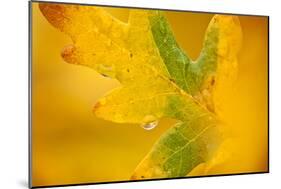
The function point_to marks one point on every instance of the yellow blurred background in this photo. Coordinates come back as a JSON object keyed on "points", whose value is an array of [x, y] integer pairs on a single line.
{"points": [[70, 145]]}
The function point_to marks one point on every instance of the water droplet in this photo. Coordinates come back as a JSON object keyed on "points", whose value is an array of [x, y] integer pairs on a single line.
{"points": [[149, 122], [149, 126]]}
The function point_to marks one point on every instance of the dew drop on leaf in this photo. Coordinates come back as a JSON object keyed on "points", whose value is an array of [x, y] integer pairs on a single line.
{"points": [[149, 122], [149, 126]]}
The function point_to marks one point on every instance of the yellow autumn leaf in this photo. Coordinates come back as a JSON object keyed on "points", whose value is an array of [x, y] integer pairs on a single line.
{"points": [[158, 79]]}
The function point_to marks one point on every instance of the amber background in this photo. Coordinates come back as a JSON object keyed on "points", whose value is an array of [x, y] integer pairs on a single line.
{"points": [[70, 145]]}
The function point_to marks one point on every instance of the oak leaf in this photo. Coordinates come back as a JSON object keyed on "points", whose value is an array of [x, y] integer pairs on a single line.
{"points": [[158, 78]]}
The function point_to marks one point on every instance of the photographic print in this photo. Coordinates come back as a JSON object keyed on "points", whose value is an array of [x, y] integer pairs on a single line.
{"points": [[126, 94]]}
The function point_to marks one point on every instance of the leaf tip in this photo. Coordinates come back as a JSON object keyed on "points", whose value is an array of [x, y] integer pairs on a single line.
{"points": [[96, 107], [69, 54], [54, 13]]}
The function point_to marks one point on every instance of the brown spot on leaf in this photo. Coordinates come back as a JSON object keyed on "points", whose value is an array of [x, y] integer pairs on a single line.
{"points": [[213, 81], [69, 55]]}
